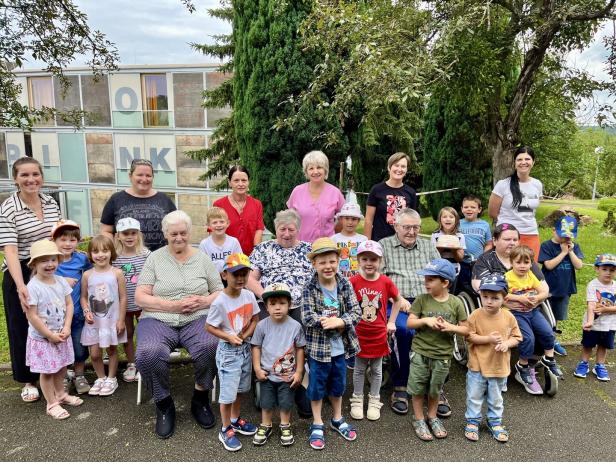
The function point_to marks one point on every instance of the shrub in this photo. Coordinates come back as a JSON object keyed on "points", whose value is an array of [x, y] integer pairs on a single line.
{"points": [[607, 203]]}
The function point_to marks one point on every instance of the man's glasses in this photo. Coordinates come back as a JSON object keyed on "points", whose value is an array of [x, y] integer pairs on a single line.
{"points": [[407, 228]]}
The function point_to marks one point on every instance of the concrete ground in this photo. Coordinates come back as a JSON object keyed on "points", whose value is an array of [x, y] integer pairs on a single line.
{"points": [[579, 423]]}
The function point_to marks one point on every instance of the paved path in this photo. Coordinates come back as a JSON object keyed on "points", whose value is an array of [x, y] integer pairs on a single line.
{"points": [[578, 424]]}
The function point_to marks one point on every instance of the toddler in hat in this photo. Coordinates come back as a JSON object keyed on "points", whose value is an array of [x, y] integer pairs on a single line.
{"points": [[348, 239]]}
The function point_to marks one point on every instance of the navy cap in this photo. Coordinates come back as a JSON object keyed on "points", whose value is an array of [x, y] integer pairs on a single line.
{"points": [[495, 282], [439, 267]]}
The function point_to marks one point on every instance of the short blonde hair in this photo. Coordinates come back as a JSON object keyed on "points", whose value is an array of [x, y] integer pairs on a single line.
{"points": [[175, 218], [398, 156], [216, 212], [317, 158]]}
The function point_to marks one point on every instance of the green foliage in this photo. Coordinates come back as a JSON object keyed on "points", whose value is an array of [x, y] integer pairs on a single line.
{"points": [[607, 203]]}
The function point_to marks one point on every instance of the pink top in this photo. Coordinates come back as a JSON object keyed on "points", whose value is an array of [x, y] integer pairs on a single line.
{"points": [[318, 216]]}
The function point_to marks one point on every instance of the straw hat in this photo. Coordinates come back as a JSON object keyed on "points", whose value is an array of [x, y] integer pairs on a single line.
{"points": [[43, 248]]}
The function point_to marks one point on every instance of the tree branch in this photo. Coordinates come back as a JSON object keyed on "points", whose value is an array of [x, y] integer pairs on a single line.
{"points": [[599, 14]]}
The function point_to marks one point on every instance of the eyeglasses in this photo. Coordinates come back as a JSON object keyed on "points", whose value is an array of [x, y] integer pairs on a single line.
{"points": [[407, 228], [141, 162]]}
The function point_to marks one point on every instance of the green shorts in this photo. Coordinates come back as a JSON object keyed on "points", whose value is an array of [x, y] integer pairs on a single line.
{"points": [[427, 375]]}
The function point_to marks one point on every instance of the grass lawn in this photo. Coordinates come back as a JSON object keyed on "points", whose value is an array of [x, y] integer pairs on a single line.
{"points": [[590, 238]]}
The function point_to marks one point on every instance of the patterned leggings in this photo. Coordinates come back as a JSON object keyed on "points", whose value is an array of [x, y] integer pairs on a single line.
{"points": [[156, 340]]}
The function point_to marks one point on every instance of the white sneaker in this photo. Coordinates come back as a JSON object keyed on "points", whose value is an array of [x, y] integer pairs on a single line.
{"points": [[109, 387], [96, 387], [130, 374]]}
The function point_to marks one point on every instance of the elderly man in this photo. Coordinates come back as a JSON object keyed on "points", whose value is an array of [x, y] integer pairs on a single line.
{"points": [[403, 256]]}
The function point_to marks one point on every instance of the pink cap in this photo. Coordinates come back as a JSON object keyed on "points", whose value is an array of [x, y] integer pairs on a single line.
{"points": [[370, 246]]}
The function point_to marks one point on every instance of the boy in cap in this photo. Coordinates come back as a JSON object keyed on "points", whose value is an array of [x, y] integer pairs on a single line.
{"points": [[561, 257], [278, 361], [232, 318], [492, 333], [436, 317], [600, 318], [330, 313], [348, 239]]}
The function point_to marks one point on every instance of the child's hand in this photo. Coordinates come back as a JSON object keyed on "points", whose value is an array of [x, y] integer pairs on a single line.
{"points": [[502, 347], [235, 340], [71, 281], [495, 337], [391, 327], [566, 246], [432, 323], [55, 338], [296, 380], [65, 333], [599, 309], [120, 326], [445, 326], [405, 305], [332, 323], [261, 374], [88, 317], [587, 325]]}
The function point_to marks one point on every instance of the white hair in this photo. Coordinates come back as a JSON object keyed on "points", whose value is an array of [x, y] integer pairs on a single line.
{"points": [[317, 158], [284, 217], [406, 213], [175, 218]]}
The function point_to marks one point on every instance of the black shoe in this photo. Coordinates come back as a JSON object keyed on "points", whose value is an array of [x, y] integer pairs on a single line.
{"points": [[202, 412], [165, 422]]}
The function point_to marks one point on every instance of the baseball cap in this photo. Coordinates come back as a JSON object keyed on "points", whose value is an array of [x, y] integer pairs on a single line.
{"points": [[276, 289], [566, 226], [43, 248], [63, 224], [350, 209], [323, 245], [495, 282], [439, 267], [124, 224], [370, 246], [605, 259], [235, 262]]}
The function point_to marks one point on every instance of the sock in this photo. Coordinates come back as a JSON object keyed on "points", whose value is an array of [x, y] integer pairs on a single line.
{"points": [[549, 358], [234, 421], [200, 396], [164, 404], [522, 365], [339, 420]]}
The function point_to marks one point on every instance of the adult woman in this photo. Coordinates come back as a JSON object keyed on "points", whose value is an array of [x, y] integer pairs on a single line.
{"points": [[25, 217], [515, 199], [141, 202], [388, 198], [175, 289], [244, 211], [316, 201]]}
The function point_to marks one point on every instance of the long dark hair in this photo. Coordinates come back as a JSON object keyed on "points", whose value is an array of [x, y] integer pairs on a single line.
{"points": [[514, 184]]}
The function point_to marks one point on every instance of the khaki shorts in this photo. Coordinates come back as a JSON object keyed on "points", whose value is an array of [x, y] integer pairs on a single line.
{"points": [[427, 375]]}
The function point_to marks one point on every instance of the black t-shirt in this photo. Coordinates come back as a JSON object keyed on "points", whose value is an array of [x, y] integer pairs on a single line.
{"points": [[389, 201], [148, 211], [489, 263]]}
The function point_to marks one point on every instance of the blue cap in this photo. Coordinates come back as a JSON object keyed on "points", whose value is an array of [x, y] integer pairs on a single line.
{"points": [[439, 267], [605, 259], [566, 227], [495, 282]]}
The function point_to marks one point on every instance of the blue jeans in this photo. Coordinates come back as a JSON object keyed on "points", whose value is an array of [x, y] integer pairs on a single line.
{"points": [[404, 336], [234, 370], [81, 352], [477, 388], [533, 325]]}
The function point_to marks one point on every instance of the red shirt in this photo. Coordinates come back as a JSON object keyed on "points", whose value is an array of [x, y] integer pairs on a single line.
{"points": [[372, 328], [243, 227]]}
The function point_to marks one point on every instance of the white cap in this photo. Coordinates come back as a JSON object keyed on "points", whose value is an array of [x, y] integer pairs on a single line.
{"points": [[124, 224], [350, 209]]}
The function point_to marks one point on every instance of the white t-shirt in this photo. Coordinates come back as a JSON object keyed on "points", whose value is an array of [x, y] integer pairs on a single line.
{"points": [[522, 217], [596, 292], [233, 315], [217, 253], [50, 301], [349, 265]]}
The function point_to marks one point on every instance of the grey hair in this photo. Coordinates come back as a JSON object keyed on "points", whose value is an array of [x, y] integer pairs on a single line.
{"points": [[287, 216], [406, 213], [175, 218], [317, 158]]}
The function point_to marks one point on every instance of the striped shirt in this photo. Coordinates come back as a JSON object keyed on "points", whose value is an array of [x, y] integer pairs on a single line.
{"points": [[131, 267], [20, 226]]}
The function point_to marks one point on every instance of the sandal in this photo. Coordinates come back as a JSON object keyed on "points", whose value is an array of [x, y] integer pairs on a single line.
{"points": [[421, 430], [71, 400], [341, 426], [317, 436], [399, 402], [471, 431], [437, 427], [498, 432], [29, 394], [57, 412]]}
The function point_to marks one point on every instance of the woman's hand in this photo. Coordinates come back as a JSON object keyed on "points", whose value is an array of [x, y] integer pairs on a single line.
{"points": [[71, 281], [23, 294], [88, 317]]}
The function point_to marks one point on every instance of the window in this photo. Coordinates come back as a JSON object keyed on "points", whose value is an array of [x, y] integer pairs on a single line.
{"points": [[40, 92], [154, 89]]}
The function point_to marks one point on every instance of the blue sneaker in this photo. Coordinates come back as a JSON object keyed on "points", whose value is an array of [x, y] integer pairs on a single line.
{"points": [[601, 373], [559, 349], [243, 427], [229, 440], [582, 369], [552, 366]]}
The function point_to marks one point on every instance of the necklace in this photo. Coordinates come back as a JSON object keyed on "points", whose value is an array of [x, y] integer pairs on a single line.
{"points": [[237, 205]]}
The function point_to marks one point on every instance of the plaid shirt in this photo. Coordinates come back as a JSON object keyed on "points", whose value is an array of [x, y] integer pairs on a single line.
{"points": [[318, 344], [401, 264]]}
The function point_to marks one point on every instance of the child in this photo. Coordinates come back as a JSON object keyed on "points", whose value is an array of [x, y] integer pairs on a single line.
{"points": [[525, 294], [373, 291], [49, 348], [600, 318], [232, 318], [477, 237], [492, 333], [436, 316], [329, 312], [449, 242], [66, 234], [218, 245], [278, 361], [561, 257], [103, 299], [131, 257], [348, 239]]}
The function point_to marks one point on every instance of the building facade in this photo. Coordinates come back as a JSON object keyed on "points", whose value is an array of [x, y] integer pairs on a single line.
{"points": [[148, 112]]}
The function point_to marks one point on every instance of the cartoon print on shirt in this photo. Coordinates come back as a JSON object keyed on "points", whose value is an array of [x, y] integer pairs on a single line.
{"points": [[369, 307], [605, 299], [285, 365], [394, 205], [240, 317], [101, 300], [130, 273]]}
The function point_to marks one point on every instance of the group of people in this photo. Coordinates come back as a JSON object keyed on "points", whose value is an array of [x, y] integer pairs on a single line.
{"points": [[298, 310]]}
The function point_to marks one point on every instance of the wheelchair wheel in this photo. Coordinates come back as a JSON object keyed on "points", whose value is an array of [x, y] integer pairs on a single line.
{"points": [[460, 347], [546, 311]]}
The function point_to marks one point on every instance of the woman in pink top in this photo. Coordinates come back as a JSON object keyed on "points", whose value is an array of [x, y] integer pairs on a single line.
{"points": [[316, 201]]}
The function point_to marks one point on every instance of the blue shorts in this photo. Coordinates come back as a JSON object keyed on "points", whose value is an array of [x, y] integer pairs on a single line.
{"points": [[593, 338], [234, 365], [326, 379], [81, 352]]}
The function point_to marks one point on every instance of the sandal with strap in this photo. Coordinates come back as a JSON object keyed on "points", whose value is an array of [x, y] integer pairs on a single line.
{"points": [[471, 431], [437, 427], [341, 426], [498, 432], [71, 400], [30, 394], [57, 412], [317, 436], [421, 430], [399, 402]]}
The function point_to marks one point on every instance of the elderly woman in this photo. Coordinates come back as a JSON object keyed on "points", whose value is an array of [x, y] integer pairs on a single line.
{"points": [[316, 201], [175, 289]]}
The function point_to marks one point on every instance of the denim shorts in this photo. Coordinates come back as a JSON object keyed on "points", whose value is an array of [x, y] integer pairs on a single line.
{"points": [[326, 379], [234, 365], [593, 338], [81, 352], [276, 394], [427, 375]]}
